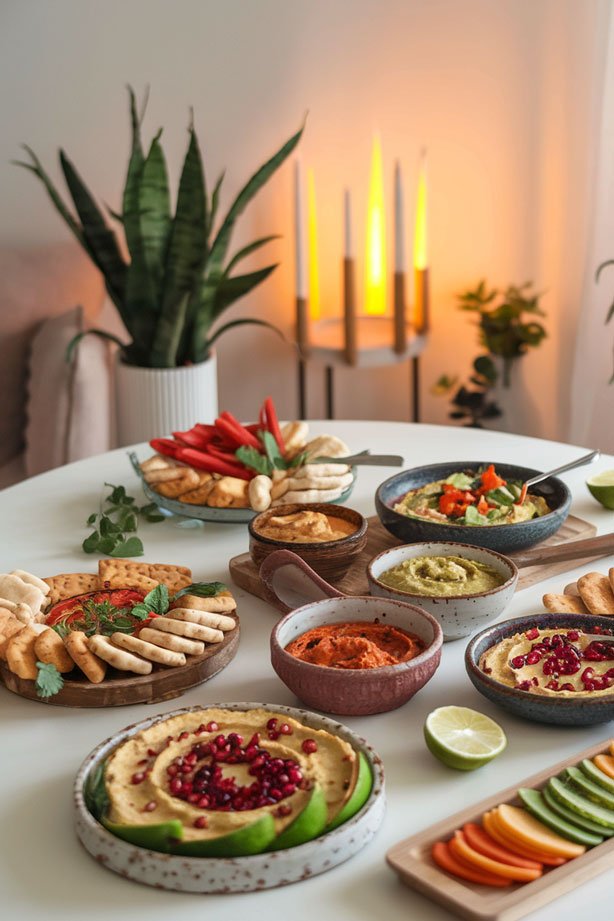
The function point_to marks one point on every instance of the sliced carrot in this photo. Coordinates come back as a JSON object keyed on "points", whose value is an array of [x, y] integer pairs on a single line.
{"points": [[465, 853], [443, 857], [521, 826], [481, 841], [605, 763], [492, 827]]}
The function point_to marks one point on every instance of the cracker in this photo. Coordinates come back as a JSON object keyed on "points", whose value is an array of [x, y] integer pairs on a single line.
{"points": [[174, 577], [164, 474], [67, 585], [49, 647], [191, 631], [223, 603], [229, 492], [20, 655], [120, 659], [148, 650], [564, 604], [199, 495], [125, 574], [204, 618], [173, 488], [172, 642], [596, 593], [9, 628], [92, 667], [571, 589]]}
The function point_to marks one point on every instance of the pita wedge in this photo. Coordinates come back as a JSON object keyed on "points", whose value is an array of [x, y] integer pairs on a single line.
{"points": [[564, 604], [596, 593]]}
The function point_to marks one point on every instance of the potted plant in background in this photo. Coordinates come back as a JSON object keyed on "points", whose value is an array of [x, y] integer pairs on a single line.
{"points": [[508, 328], [176, 284]]}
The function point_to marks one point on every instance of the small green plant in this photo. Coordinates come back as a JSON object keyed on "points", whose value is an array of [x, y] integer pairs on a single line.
{"points": [[472, 405], [117, 519], [179, 279], [507, 322], [610, 312]]}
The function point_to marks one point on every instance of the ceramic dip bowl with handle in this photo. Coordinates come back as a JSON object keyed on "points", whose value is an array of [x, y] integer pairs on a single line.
{"points": [[309, 602]]}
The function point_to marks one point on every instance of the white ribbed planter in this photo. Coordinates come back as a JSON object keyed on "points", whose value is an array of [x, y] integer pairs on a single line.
{"points": [[153, 402]]}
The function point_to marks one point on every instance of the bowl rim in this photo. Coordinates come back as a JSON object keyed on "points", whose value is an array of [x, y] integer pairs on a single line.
{"points": [[382, 671], [355, 536], [454, 543], [462, 528], [517, 624]]}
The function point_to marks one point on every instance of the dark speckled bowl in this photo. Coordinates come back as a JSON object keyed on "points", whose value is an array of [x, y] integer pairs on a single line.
{"points": [[505, 538], [562, 711]]}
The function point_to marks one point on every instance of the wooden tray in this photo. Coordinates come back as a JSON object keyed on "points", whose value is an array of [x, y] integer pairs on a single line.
{"points": [[412, 861], [121, 689], [245, 574]]}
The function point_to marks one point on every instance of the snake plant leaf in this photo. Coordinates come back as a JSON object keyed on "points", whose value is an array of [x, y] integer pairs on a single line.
{"points": [[243, 321], [215, 200], [250, 248], [252, 186], [231, 289], [185, 257], [101, 333], [601, 267], [130, 203], [99, 236], [155, 215]]}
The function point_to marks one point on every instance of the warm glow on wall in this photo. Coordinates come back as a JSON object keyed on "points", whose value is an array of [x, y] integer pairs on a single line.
{"points": [[312, 231], [375, 287], [420, 255]]}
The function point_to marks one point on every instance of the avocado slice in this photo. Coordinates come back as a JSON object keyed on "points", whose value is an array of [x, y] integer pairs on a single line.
{"points": [[358, 796], [575, 817], [569, 797], [308, 824], [155, 837], [597, 775], [251, 839], [536, 805], [589, 789]]}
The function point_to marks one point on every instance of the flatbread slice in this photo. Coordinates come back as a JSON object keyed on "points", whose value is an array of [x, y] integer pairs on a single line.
{"points": [[596, 593], [564, 604]]}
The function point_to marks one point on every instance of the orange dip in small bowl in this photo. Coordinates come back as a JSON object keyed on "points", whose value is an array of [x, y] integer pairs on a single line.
{"points": [[356, 645]]}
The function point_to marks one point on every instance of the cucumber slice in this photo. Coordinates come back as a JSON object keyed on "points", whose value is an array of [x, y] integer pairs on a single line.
{"points": [[161, 837], [575, 817], [566, 795], [251, 839], [597, 775], [309, 824], [592, 790], [536, 805]]}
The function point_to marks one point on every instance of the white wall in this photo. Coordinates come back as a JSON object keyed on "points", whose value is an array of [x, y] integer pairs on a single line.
{"points": [[503, 92]]}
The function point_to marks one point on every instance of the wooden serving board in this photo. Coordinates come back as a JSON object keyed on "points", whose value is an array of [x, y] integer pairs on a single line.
{"points": [[122, 688], [245, 574], [411, 859]]}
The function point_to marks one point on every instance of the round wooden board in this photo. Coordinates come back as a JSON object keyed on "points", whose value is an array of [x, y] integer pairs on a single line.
{"points": [[161, 684]]}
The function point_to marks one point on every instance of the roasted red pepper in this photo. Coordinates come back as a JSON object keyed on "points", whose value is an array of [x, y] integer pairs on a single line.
{"points": [[165, 446], [491, 480], [272, 424]]}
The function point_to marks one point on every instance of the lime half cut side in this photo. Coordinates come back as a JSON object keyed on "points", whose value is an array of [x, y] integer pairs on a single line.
{"points": [[462, 738], [601, 486]]}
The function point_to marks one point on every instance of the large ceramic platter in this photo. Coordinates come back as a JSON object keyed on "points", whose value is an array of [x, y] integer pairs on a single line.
{"points": [[207, 512], [237, 874], [121, 688]]}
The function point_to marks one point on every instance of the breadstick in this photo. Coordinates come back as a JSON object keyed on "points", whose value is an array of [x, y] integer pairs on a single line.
{"points": [[148, 650], [204, 618], [191, 631], [172, 642], [123, 661]]}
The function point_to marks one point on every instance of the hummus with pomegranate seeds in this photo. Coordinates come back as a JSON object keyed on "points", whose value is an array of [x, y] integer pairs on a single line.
{"points": [[217, 771], [554, 663]]}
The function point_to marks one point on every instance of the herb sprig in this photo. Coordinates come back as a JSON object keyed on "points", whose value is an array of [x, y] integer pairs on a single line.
{"points": [[271, 460], [49, 681], [116, 521]]}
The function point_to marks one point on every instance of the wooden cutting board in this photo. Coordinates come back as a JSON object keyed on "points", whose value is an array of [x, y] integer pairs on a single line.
{"points": [[245, 574], [411, 859]]}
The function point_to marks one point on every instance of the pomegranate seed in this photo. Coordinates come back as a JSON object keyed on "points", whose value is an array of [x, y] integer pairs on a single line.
{"points": [[285, 729], [212, 726], [235, 740], [288, 789], [273, 736], [200, 822], [182, 735], [283, 810], [137, 778], [573, 635], [202, 728], [271, 724], [567, 687], [517, 662], [533, 657], [309, 746], [175, 785]]}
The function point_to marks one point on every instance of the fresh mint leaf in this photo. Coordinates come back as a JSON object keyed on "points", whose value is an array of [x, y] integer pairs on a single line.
{"points": [[253, 459], [272, 451], [108, 528], [202, 590], [131, 547], [106, 545], [90, 544], [92, 518], [157, 600], [298, 461], [49, 681]]}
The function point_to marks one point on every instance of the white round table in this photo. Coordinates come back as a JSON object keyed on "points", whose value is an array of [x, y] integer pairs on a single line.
{"points": [[44, 872]]}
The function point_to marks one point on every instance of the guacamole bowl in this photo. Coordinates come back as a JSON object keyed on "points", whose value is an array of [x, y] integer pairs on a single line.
{"points": [[504, 538], [458, 614], [559, 709]]}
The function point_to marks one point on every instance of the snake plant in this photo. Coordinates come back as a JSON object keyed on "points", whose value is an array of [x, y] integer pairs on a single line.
{"points": [[179, 279]]}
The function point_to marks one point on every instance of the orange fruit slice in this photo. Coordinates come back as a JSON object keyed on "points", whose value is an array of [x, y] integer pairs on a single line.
{"points": [[523, 827], [466, 854], [605, 763], [495, 831], [481, 841]]}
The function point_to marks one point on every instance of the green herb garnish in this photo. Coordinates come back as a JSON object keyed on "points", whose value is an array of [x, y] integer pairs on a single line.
{"points": [[157, 601], [49, 681], [117, 519], [252, 458], [202, 590]]}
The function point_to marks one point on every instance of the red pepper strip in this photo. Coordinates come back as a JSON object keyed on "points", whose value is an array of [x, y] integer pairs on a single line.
{"points": [[204, 461], [229, 433], [165, 446], [262, 417], [191, 439], [483, 506], [490, 479], [222, 452], [247, 437], [272, 424], [523, 494], [254, 428], [205, 431]]}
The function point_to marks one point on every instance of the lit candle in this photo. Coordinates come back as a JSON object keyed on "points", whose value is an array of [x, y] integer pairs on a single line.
{"points": [[421, 270], [400, 323], [375, 288], [302, 327], [349, 295]]}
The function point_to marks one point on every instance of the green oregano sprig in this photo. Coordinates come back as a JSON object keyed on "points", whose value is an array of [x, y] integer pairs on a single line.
{"points": [[116, 521]]}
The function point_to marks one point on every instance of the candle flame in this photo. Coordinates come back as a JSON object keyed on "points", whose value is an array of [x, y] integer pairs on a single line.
{"points": [[312, 233], [420, 255], [375, 289]]}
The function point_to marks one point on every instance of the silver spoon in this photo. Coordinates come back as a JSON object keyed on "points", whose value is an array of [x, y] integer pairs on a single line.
{"points": [[579, 462]]}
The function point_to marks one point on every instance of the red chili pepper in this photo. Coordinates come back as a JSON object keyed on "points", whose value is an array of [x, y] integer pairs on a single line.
{"points": [[233, 427], [272, 424], [191, 439], [165, 446], [204, 461]]}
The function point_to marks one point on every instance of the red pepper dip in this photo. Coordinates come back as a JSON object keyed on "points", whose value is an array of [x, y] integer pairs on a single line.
{"points": [[356, 645]]}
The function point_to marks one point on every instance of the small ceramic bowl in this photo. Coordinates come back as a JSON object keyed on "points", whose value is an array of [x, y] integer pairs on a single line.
{"points": [[503, 537], [352, 692], [562, 711], [460, 615], [331, 559]]}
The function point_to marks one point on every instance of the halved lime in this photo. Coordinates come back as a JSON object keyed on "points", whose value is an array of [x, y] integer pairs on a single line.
{"points": [[462, 738], [601, 486]]}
